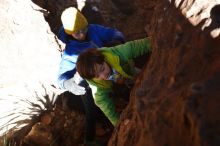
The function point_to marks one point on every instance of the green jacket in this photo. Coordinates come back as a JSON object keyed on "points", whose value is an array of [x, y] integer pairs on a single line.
{"points": [[119, 58]]}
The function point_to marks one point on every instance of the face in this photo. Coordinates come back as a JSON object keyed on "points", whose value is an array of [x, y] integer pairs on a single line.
{"points": [[80, 35], [103, 71]]}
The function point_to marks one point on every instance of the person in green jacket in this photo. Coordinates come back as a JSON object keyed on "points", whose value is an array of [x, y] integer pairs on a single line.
{"points": [[103, 67]]}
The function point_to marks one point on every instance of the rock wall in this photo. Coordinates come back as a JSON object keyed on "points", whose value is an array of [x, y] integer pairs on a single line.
{"points": [[175, 101], [29, 58], [28, 48]]}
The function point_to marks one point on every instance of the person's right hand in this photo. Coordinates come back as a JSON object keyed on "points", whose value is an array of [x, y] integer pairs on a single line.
{"points": [[74, 88]]}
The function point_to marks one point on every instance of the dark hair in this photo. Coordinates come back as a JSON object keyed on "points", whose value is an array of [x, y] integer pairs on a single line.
{"points": [[86, 62]]}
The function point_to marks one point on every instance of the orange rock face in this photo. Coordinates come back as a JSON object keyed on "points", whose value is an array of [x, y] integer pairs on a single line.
{"points": [[175, 101]]}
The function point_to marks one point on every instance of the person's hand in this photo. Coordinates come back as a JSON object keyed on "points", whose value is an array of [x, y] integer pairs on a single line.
{"points": [[74, 88], [77, 89]]}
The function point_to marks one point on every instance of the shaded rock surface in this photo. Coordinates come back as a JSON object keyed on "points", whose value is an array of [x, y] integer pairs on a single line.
{"points": [[175, 101]]}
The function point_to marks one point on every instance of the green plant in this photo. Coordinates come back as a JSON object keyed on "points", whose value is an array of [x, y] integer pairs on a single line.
{"points": [[21, 113]]}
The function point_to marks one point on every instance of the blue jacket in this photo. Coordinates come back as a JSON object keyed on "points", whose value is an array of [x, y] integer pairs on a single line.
{"points": [[97, 36]]}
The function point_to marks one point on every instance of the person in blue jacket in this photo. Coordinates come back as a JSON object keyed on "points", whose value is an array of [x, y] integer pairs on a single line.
{"points": [[78, 36]]}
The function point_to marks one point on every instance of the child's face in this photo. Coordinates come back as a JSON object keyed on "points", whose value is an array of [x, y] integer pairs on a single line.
{"points": [[80, 35], [103, 71]]}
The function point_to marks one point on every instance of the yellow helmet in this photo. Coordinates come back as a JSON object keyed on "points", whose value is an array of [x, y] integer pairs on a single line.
{"points": [[73, 20]]}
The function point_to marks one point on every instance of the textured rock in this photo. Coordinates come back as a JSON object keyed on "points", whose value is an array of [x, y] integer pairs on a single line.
{"points": [[29, 57], [28, 48], [175, 101]]}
